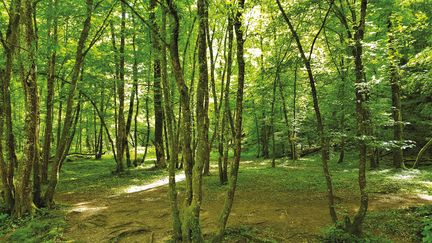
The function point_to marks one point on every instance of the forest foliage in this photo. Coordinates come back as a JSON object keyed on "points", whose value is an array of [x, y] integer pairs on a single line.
{"points": [[187, 79]]}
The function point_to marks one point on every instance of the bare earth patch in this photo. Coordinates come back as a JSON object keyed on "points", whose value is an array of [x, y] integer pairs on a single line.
{"points": [[144, 216]]}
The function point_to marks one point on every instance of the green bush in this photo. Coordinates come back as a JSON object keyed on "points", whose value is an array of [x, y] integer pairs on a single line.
{"points": [[427, 230], [336, 234], [45, 226]]}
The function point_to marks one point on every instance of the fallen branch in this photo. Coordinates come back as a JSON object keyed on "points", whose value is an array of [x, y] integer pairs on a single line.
{"points": [[422, 151]]}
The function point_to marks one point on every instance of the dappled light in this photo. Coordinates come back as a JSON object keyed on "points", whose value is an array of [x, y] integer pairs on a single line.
{"points": [[215, 121], [159, 183]]}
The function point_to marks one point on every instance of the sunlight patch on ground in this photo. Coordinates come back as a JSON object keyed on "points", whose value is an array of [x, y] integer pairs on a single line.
{"points": [[247, 161], [406, 175], [403, 177], [162, 182], [379, 172], [83, 207], [425, 197]]}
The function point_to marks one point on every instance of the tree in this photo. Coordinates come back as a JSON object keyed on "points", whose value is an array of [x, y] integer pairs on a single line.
{"points": [[223, 218], [66, 138], [320, 126]]}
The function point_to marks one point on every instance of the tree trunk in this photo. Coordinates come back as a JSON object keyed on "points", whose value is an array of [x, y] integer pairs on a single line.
{"points": [[422, 151], [157, 91], [185, 108], [53, 38], [224, 141], [320, 126], [121, 133], [223, 219], [363, 121], [135, 89], [7, 169], [173, 160], [191, 216], [396, 101], [23, 198], [10, 49], [65, 135]]}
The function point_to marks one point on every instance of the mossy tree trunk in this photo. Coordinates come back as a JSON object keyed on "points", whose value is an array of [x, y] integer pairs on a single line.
{"points": [[173, 160], [65, 137], [224, 133], [8, 163], [223, 218], [23, 193], [52, 57], [185, 129], [363, 117], [121, 124], [398, 161], [157, 90]]}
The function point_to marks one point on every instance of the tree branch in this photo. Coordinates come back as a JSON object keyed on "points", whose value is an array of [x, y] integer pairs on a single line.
{"points": [[321, 28], [100, 30], [146, 23]]}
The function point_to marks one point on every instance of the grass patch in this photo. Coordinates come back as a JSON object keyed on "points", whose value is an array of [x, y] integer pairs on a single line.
{"points": [[45, 226], [245, 233], [411, 224], [96, 176]]}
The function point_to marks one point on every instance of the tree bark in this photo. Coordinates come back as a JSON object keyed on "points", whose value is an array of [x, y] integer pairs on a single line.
{"points": [[173, 160], [8, 169], [157, 90], [184, 99], [224, 140], [396, 100], [363, 120], [121, 133], [191, 223], [185, 109], [421, 152], [12, 36], [23, 197], [65, 135], [223, 218], [53, 39]]}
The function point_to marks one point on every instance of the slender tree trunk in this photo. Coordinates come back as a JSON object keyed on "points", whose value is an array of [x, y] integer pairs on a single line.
{"points": [[209, 39], [173, 160], [65, 135], [272, 126], [136, 92], [294, 125], [59, 115], [157, 91], [422, 152], [363, 121], [147, 124], [396, 101], [320, 126], [8, 169], [223, 146], [53, 38], [186, 113], [191, 222], [121, 133], [238, 126]]}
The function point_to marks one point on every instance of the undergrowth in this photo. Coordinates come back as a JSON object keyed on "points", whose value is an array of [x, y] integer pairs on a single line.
{"points": [[44, 226]]}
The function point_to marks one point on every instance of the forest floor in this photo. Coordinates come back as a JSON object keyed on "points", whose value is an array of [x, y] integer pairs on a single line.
{"points": [[283, 204]]}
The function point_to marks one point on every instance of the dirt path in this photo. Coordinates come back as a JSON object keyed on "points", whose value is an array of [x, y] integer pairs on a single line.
{"points": [[144, 216]]}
